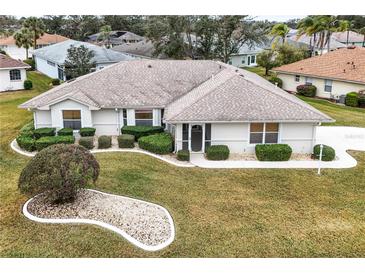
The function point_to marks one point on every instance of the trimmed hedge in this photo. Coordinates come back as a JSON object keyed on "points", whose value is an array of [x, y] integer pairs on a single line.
{"points": [[65, 132], [352, 99], [56, 81], [140, 131], [159, 143], [273, 152], [104, 141], [307, 90], [52, 140], [183, 155], [126, 141], [87, 131], [44, 131], [276, 80], [26, 142], [28, 84], [87, 142], [217, 152], [328, 153], [27, 129]]}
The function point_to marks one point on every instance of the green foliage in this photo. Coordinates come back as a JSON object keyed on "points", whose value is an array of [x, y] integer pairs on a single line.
{"points": [[30, 62], [280, 30], [273, 152], [59, 172], [328, 153], [217, 152], [26, 142], [24, 38], [140, 131], [276, 81], [159, 143], [44, 131], [126, 141], [36, 27], [28, 84], [56, 81], [65, 132], [307, 90], [47, 141], [287, 54], [266, 59], [87, 131], [78, 61], [104, 141], [361, 98], [352, 99], [87, 142], [183, 155], [28, 129]]}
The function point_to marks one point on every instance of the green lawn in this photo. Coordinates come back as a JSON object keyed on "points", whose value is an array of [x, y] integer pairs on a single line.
{"points": [[258, 70], [217, 213]]}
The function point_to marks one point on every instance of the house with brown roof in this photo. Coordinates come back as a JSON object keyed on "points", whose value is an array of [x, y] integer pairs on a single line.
{"points": [[12, 73], [334, 74], [8, 45], [200, 102]]}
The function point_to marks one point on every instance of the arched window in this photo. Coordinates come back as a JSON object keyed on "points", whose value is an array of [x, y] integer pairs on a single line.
{"points": [[15, 75]]}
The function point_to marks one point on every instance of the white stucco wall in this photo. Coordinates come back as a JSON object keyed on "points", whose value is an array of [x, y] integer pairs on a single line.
{"points": [[338, 87], [16, 53], [236, 60], [299, 136], [234, 135], [6, 84], [42, 118], [106, 121], [42, 66]]}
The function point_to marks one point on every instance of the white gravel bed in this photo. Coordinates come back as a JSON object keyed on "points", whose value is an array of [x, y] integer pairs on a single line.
{"points": [[150, 225]]}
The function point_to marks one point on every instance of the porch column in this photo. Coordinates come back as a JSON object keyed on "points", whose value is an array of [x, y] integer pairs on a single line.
{"points": [[189, 139], [203, 138]]}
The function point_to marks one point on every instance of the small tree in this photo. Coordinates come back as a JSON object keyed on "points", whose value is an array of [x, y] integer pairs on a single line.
{"points": [[36, 27], [266, 59], [24, 38], [78, 62], [59, 171], [104, 35], [287, 54]]}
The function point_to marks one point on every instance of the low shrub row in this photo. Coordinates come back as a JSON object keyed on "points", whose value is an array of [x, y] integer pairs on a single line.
{"points": [[159, 143], [126, 141], [26, 142], [183, 155], [28, 129], [47, 141], [87, 142], [44, 132], [56, 81], [307, 90], [273, 152], [276, 81], [87, 131], [104, 141], [140, 131], [65, 132], [217, 152]]}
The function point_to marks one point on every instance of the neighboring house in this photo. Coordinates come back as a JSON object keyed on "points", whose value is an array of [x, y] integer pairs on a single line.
{"points": [[245, 57], [9, 46], [354, 38], [142, 49], [116, 38], [50, 60], [335, 73], [12, 73], [201, 103]]}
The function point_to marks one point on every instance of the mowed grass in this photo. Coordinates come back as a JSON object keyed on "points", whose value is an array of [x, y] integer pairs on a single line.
{"points": [[217, 213]]}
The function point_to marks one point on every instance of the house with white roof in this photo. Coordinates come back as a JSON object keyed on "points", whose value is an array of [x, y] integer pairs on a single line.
{"points": [[12, 73], [245, 57]]}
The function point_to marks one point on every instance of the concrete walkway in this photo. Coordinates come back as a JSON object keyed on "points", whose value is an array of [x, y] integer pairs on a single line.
{"points": [[340, 138]]}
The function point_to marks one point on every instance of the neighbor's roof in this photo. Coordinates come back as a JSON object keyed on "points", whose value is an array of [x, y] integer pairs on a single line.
{"points": [[118, 36], [58, 53], [45, 39], [347, 64], [189, 90], [141, 48], [7, 62], [353, 37], [305, 39]]}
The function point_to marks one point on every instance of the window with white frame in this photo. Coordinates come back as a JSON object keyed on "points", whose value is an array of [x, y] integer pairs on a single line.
{"points": [[185, 136], [72, 119], [125, 121], [308, 80], [15, 75], [253, 59], [297, 78], [328, 85], [144, 117], [264, 133], [51, 63]]}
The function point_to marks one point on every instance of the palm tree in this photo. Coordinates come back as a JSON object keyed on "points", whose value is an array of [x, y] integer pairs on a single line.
{"points": [[280, 30], [24, 38], [347, 26], [105, 35], [307, 26], [36, 26], [362, 31]]}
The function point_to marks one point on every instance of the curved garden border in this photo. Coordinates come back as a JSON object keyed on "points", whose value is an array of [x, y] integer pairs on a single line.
{"points": [[108, 226]]}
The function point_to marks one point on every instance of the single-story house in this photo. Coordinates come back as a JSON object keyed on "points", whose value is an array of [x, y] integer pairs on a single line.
{"points": [[12, 73], [335, 73], [8, 45], [245, 57], [200, 102], [142, 49], [116, 38], [350, 37], [50, 60]]}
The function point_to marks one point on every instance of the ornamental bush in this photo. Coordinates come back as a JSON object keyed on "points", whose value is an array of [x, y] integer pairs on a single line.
{"points": [[28, 84], [273, 152], [126, 141], [276, 80], [56, 81], [104, 141], [352, 99], [44, 131], [87, 142], [47, 141], [217, 152], [26, 142], [140, 131], [30, 62], [59, 172], [328, 153], [183, 155], [28, 129], [87, 131], [307, 90], [65, 132], [159, 143]]}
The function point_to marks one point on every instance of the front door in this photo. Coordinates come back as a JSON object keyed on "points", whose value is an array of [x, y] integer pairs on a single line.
{"points": [[196, 138]]}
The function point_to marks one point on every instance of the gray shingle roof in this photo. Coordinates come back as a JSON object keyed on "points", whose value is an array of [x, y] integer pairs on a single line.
{"points": [[57, 53], [188, 90]]}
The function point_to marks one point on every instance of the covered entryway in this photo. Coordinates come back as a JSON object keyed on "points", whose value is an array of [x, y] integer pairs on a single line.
{"points": [[196, 138]]}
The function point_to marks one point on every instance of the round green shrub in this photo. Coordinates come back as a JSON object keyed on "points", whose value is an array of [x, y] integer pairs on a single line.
{"points": [[352, 99], [307, 90], [104, 141], [28, 84], [47, 141], [217, 152], [56, 81], [183, 155], [59, 172], [65, 132], [26, 142], [273, 152], [87, 142], [140, 131], [87, 131], [159, 143], [126, 141], [276, 80], [328, 153]]}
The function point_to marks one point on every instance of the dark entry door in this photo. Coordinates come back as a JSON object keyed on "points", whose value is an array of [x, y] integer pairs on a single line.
{"points": [[196, 138]]}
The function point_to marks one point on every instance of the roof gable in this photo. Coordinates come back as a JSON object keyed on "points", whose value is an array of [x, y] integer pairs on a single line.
{"points": [[7, 62]]}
